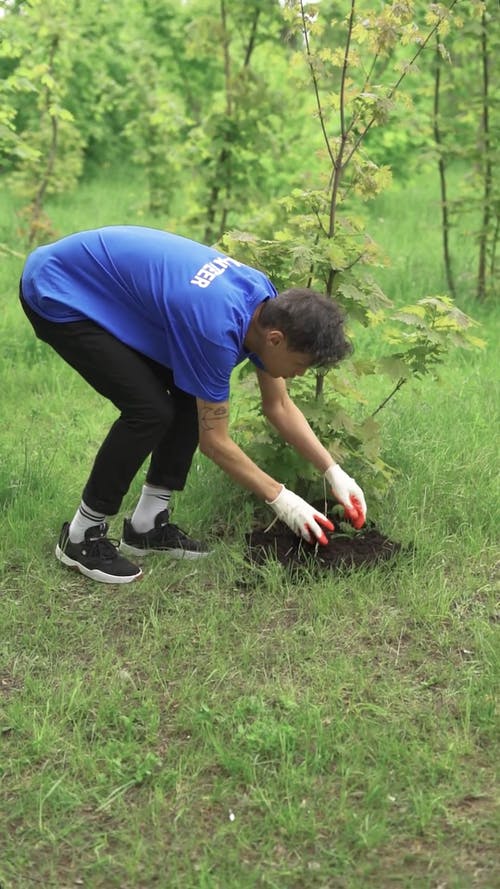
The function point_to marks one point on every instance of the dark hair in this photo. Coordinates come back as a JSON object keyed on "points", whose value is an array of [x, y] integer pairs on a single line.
{"points": [[312, 323]]}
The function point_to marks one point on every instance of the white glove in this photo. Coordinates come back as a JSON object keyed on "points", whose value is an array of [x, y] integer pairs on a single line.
{"points": [[348, 493], [300, 516]]}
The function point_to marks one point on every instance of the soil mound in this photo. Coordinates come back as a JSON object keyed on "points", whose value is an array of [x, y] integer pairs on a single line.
{"points": [[346, 548]]}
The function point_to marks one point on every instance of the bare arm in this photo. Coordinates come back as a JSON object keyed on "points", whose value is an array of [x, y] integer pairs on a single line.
{"points": [[217, 445], [290, 422]]}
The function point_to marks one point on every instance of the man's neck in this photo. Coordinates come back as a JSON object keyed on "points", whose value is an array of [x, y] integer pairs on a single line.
{"points": [[253, 338]]}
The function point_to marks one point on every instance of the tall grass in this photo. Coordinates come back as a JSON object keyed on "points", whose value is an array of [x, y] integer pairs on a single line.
{"points": [[221, 726]]}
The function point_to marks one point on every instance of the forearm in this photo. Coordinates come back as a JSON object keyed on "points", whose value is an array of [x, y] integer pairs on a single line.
{"points": [[293, 427], [235, 463]]}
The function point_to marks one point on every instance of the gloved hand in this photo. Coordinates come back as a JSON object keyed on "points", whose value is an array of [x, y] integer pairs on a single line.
{"points": [[348, 493], [300, 516]]}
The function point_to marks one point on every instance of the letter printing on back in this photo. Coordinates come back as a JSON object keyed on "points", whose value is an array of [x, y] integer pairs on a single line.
{"points": [[211, 270]]}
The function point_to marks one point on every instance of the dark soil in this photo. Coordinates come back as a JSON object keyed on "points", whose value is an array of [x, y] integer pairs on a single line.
{"points": [[346, 548]]}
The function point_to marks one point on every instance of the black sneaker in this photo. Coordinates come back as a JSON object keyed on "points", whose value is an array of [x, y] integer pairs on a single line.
{"points": [[163, 538], [97, 557]]}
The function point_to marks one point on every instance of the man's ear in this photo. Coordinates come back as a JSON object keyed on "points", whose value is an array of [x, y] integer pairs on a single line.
{"points": [[275, 337]]}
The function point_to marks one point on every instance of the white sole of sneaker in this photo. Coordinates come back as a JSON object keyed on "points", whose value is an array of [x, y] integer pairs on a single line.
{"points": [[130, 550], [100, 576]]}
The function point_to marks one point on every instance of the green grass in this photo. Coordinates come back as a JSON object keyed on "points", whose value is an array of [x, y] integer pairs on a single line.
{"points": [[217, 726]]}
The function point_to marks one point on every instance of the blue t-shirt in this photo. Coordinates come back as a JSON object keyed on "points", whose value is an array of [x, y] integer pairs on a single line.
{"points": [[183, 304]]}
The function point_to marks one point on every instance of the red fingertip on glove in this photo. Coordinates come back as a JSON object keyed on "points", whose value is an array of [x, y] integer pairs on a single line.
{"points": [[325, 523], [313, 539], [355, 513]]}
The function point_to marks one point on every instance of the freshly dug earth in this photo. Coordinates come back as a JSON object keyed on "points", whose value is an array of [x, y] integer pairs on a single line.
{"points": [[346, 548]]}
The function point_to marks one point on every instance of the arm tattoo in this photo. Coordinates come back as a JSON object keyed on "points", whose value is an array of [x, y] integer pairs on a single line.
{"points": [[210, 414]]}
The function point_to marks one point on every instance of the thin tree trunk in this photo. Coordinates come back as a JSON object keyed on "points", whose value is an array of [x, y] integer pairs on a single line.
{"points": [[487, 166], [442, 173], [494, 242], [337, 161], [223, 165], [38, 200]]}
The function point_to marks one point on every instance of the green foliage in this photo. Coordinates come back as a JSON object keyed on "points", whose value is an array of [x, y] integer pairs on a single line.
{"points": [[182, 89], [323, 243], [41, 142], [418, 337], [154, 136], [452, 118], [186, 91], [475, 106], [234, 141]]}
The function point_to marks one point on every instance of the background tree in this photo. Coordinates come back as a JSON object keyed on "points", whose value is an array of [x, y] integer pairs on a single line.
{"points": [[489, 132], [463, 120], [152, 106], [58, 96], [47, 146], [236, 139], [442, 166]]}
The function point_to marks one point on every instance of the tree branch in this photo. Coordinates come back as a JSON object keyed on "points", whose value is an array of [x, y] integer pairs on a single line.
{"points": [[442, 172], [251, 39], [397, 387], [343, 76], [315, 84], [396, 86]]}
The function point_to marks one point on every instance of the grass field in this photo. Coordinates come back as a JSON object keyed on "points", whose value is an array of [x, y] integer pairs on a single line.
{"points": [[216, 726]]}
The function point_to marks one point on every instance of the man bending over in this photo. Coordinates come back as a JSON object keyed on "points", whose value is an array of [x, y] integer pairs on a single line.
{"points": [[156, 323]]}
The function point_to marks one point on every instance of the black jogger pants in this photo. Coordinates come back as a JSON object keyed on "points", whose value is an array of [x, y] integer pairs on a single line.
{"points": [[156, 418]]}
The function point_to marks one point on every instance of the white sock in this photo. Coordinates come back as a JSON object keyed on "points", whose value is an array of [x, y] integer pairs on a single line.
{"points": [[84, 518], [152, 501]]}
